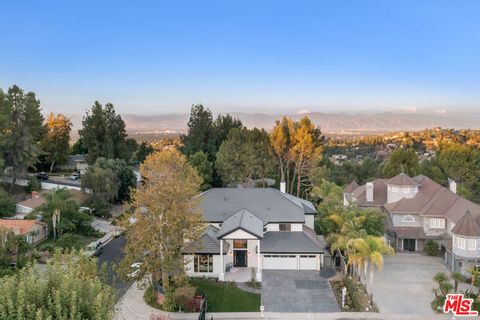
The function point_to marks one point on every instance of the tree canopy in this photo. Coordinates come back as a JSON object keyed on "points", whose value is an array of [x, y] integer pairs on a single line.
{"points": [[104, 134], [68, 289], [166, 213], [56, 141]]}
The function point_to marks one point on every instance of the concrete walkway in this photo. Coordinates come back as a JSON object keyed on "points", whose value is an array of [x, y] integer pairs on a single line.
{"points": [[244, 287]]}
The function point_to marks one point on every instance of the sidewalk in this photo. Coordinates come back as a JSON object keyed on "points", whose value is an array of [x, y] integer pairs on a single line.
{"points": [[132, 307]]}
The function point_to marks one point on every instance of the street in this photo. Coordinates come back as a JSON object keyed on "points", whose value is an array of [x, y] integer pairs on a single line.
{"points": [[111, 256]]}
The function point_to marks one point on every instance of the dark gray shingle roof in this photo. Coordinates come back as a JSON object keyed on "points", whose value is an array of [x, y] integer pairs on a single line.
{"points": [[208, 243], [305, 241], [269, 205], [244, 220]]}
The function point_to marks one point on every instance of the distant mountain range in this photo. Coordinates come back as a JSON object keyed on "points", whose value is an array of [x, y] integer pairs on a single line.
{"points": [[334, 123]]}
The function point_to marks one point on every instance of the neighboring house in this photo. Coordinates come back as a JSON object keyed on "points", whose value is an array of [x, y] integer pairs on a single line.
{"points": [[27, 206], [32, 230], [254, 228], [419, 209], [76, 162]]}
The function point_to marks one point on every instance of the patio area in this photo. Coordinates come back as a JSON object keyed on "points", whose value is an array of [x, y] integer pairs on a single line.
{"points": [[239, 274]]}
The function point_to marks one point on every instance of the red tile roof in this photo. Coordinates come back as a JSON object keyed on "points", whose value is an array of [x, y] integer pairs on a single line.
{"points": [[19, 226]]}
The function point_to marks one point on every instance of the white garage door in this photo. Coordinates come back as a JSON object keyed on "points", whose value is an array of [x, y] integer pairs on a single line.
{"points": [[280, 262], [308, 262]]}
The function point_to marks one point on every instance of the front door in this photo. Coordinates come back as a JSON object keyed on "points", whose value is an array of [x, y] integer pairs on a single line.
{"points": [[409, 244], [240, 258]]}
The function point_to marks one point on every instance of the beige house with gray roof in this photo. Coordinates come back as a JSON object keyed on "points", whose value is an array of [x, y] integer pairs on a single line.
{"points": [[419, 209]]}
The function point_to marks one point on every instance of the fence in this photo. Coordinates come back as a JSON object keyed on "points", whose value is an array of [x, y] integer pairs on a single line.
{"points": [[203, 310], [343, 263]]}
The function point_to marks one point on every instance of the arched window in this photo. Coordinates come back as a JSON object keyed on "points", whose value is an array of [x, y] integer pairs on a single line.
{"points": [[408, 219]]}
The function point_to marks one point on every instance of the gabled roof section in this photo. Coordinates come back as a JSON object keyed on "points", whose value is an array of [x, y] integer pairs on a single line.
{"points": [[402, 180], [242, 220], [467, 226], [208, 243], [269, 205], [351, 187]]}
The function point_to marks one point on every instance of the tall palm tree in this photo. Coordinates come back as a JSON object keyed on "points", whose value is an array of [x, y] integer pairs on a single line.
{"points": [[372, 250]]}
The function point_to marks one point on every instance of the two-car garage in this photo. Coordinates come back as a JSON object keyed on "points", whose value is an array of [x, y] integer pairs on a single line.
{"points": [[291, 262]]}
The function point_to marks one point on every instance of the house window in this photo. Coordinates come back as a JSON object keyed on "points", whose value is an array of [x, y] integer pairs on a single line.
{"points": [[406, 190], [437, 223], [460, 243], [472, 244], [240, 244], [203, 263], [284, 226], [265, 229], [408, 219], [394, 189]]}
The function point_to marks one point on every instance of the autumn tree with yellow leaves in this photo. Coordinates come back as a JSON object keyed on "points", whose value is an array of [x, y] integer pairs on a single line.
{"points": [[55, 143], [164, 216], [298, 146]]}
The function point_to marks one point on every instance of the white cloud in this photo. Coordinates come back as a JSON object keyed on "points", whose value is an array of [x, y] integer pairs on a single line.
{"points": [[303, 111], [441, 111]]}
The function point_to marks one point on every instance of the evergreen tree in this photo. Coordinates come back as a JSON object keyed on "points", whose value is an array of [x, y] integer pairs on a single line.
{"points": [[21, 130]]}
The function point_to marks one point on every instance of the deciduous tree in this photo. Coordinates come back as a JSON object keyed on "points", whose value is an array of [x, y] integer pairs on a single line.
{"points": [[166, 212], [402, 160], [56, 141]]}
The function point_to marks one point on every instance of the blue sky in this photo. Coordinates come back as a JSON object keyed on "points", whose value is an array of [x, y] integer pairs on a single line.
{"points": [[253, 56]]}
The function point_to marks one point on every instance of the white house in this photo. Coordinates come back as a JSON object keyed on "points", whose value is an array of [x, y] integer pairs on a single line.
{"points": [[254, 228]]}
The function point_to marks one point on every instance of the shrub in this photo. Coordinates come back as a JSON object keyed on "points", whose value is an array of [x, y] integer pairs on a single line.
{"points": [[8, 207], [431, 248], [33, 185], [182, 296], [101, 207]]}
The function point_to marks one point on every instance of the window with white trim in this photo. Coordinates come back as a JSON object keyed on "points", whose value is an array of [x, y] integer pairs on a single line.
{"points": [[408, 219], [406, 190], [437, 223], [460, 243], [394, 189], [203, 263], [472, 244]]}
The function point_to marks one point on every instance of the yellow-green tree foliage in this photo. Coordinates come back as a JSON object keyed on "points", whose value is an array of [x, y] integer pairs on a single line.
{"points": [[68, 288]]}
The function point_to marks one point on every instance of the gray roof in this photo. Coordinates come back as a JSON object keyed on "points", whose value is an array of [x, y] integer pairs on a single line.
{"points": [[305, 241], [402, 180], [208, 243], [244, 220], [72, 159], [269, 205]]}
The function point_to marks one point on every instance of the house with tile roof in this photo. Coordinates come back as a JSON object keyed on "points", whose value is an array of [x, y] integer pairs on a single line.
{"points": [[249, 228], [419, 209], [32, 230]]}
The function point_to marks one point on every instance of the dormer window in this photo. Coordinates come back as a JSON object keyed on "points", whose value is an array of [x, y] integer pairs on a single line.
{"points": [[284, 227], [437, 223], [408, 219], [394, 189], [406, 190]]}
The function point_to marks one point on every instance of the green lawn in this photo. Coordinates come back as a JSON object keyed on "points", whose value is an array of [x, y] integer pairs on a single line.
{"points": [[226, 297]]}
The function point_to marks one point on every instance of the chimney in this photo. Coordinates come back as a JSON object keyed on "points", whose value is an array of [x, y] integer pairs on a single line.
{"points": [[453, 185], [369, 191], [283, 186], [34, 194]]}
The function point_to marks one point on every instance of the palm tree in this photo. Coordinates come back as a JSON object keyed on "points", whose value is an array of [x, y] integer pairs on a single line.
{"points": [[456, 277], [475, 272], [372, 250], [443, 284], [349, 226]]}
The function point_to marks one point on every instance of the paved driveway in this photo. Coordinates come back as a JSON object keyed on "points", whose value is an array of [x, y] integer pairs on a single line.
{"points": [[405, 284], [297, 291]]}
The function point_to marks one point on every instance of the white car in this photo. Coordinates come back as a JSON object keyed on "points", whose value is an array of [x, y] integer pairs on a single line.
{"points": [[136, 269]]}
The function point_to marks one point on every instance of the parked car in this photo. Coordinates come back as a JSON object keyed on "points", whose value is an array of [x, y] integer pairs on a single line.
{"points": [[94, 249], [42, 176], [135, 269], [74, 176]]}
